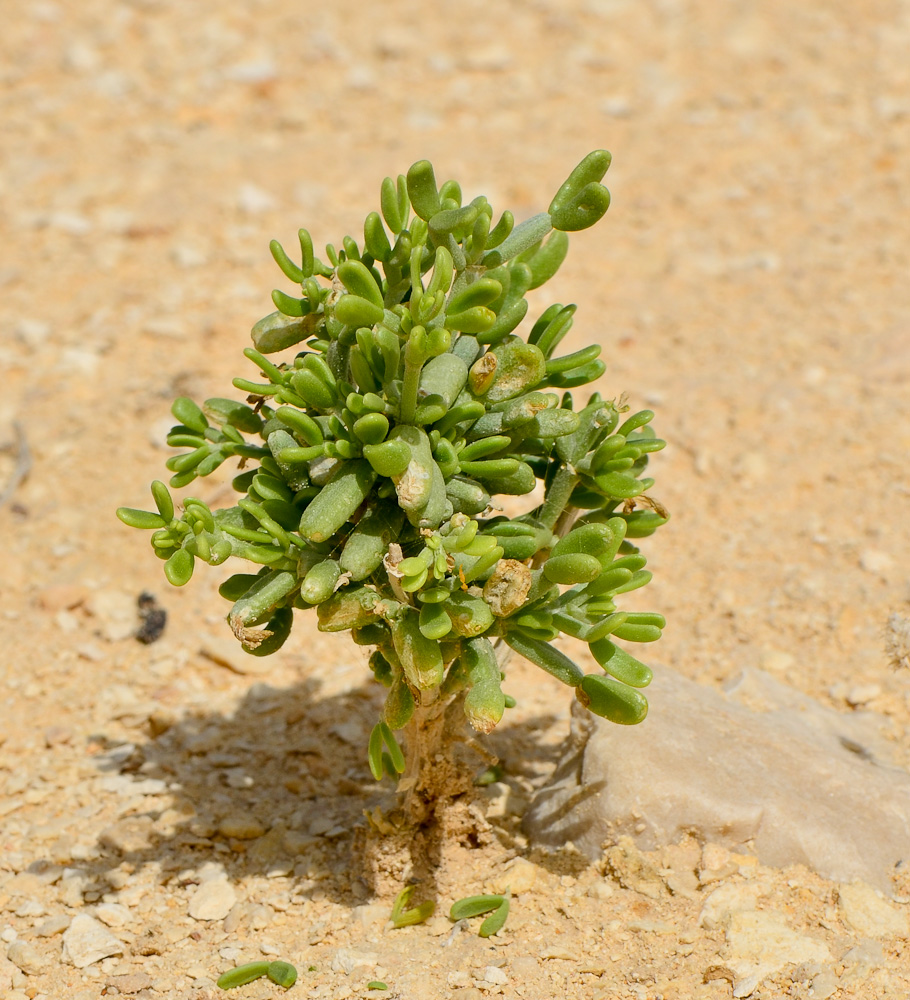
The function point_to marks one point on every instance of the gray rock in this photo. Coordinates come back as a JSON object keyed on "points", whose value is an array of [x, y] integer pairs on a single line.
{"points": [[761, 763], [87, 941]]}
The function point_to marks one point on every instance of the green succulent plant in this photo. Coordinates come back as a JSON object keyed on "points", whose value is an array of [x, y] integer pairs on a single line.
{"points": [[372, 459]]}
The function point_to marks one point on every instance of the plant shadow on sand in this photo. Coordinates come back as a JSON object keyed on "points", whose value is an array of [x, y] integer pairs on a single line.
{"points": [[280, 789]]}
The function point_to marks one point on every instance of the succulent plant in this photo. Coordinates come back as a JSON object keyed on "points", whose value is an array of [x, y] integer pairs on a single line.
{"points": [[373, 456]]}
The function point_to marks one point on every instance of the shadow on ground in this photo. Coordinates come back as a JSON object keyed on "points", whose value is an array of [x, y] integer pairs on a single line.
{"points": [[278, 789]]}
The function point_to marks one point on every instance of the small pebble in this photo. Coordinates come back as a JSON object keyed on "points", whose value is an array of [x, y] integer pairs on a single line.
{"points": [[519, 875], [55, 736], [112, 914], [132, 982], [824, 985], [491, 974], [241, 827], [875, 561], [862, 694], [87, 941], [25, 957], [53, 925], [213, 900], [129, 835]]}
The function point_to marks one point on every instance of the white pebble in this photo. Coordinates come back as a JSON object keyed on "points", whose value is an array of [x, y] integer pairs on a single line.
{"points": [[25, 957], [495, 976], [213, 900], [86, 941]]}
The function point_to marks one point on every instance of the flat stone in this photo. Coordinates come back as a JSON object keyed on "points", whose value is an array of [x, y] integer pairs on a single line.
{"points": [[87, 941], [867, 912], [760, 763], [213, 900]]}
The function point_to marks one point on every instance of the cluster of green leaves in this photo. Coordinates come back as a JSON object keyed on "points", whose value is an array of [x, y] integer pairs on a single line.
{"points": [[372, 458]]}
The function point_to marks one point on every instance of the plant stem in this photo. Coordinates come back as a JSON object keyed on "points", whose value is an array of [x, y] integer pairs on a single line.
{"points": [[558, 496], [409, 387], [424, 739]]}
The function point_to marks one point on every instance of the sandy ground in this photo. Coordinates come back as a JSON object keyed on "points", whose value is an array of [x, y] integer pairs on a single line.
{"points": [[749, 284]]}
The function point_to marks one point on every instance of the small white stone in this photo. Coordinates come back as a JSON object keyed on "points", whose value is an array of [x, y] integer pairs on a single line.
{"points": [[519, 875], [874, 561], [30, 908], [862, 694], [86, 941], [25, 957], [213, 900], [491, 974], [53, 925], [112, 914], [777, 661], [346, 960], [600, 890], [824, 985], [116, 613], [253, 200], [320, 826]]}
